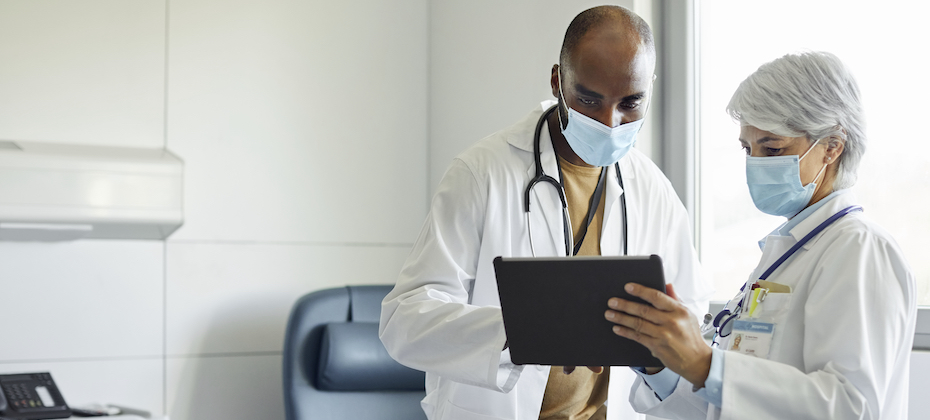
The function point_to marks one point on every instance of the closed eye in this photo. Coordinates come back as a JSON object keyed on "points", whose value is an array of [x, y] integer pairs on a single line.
{"points": [[586, 101]]}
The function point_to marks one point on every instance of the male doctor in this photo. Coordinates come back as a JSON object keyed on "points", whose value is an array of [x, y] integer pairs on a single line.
{"points": [[443, 316]]}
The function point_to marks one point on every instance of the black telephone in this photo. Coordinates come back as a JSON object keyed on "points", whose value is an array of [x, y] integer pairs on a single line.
{"points": [[31, 396]]}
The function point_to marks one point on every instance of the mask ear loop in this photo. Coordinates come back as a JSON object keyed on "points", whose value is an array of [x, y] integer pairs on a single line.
{"points": [[562, 97], [805, 155], [809, 150], [820, 173]]}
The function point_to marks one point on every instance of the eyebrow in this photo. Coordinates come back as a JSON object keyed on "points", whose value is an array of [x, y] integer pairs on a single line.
{"points": [[587, 92], [765, 139]]}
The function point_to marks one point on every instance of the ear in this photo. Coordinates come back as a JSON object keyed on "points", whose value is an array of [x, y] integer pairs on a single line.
{"points": [[835, 148], [554, 80]]}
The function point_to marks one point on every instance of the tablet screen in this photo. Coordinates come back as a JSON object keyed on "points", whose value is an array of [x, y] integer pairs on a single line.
{"points": [[553, 308]]}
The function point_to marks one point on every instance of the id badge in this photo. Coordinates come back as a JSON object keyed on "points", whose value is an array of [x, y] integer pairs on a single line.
{"points": [[752, 337]]}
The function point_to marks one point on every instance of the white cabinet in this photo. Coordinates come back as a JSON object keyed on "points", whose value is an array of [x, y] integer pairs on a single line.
{"points": [[61, 192]]}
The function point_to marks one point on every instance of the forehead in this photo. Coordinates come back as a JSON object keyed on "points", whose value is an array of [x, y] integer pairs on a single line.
{"points": [[751, 134], [613, 62]]}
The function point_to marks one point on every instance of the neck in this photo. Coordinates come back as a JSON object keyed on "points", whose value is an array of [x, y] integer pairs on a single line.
{"points": [[558, 140], [819, 195]]}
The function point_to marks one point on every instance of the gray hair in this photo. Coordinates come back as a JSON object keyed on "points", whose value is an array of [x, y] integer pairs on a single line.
{"points": [[808, 94]]}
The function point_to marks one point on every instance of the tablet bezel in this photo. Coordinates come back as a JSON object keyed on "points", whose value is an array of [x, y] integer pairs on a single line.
{"points": [[553, 308]]}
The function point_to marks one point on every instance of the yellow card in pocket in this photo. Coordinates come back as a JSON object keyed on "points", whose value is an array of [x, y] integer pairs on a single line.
{"points": [[754, 301], [774, 287]]}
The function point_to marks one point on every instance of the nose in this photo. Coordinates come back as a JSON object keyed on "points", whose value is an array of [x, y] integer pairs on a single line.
{"points": [[609, 116]]}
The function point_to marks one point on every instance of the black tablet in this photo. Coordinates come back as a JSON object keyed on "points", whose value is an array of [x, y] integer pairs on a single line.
{"points": [[554, 308]]}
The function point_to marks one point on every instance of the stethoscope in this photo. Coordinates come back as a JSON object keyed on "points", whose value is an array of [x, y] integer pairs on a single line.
{"points": [[542, 177], [723, 322]]}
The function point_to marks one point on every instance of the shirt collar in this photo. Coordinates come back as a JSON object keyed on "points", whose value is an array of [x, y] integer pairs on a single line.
{"points": [[786, 228]]}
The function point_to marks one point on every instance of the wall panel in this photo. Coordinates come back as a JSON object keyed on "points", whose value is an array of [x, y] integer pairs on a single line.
{"points": [[234, 298], [85, 72], [299, 121], [83, 299]]}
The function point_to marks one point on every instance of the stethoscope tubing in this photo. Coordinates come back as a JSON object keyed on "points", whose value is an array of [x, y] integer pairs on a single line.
{"points": [[719, 321], [542, 177]]}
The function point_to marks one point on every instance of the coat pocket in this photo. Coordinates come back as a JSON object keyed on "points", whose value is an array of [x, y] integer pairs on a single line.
{"points": [[772, 308]]}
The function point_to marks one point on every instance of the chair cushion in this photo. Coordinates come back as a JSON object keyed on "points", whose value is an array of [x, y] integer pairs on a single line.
{"points": [[352, 358], [365, 302]]}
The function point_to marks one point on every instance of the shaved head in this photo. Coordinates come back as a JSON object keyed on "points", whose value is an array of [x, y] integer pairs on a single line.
{"points": [[613, 18], [606, 71]]}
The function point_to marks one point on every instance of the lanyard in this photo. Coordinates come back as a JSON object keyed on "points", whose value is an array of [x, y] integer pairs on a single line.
{"points": [[807, 238], [592, 208]]}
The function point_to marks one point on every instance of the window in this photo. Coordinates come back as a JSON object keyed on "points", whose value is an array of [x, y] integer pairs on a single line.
{"points": [[883, 45]]}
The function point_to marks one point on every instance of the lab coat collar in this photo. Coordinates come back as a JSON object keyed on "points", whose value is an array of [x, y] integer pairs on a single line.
{"points": [[835, 202], [843, 199], [613, 220], [522, 136]]}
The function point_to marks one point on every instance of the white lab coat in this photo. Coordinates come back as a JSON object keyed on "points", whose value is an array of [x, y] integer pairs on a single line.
{"points": [[444, 317], [842, 341]]}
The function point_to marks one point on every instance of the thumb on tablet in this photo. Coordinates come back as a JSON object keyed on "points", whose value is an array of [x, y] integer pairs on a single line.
{"points": [[670, 291]]}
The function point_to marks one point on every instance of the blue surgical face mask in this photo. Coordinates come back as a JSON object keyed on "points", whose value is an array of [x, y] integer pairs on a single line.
{"points": [[775, 184], [596, 143]]}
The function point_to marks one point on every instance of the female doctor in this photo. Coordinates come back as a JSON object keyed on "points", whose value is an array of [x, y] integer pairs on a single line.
{"points": [[826, 321]]}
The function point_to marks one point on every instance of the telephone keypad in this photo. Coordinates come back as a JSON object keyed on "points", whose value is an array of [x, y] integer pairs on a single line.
{"points": [[20, 396], [32, 396]]}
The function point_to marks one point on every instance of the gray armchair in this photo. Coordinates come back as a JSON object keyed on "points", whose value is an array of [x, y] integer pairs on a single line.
{"points": [[335, 367]]}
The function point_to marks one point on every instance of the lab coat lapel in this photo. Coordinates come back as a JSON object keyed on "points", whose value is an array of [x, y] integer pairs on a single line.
{"points": [[841, 201], [612, 226]]}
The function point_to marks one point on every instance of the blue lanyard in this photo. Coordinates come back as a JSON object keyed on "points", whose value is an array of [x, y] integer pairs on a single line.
{"points": [[726, 316], [807, 238]]}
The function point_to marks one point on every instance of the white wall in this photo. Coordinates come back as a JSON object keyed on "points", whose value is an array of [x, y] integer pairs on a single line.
{"points": [[490, 64], [303, 130]]}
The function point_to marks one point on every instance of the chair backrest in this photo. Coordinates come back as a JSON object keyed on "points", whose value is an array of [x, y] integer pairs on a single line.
{"points": [[335, 366]]}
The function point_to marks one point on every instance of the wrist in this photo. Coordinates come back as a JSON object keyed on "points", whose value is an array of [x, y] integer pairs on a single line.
{"points": [[653, 370], [699, 370]]}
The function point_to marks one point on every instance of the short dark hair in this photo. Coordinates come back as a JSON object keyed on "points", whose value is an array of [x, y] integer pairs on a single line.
{"points": [[596, 16]]}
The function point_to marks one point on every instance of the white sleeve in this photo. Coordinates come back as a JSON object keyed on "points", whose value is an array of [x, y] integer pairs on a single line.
{"points": [[427, 322], [855, 325]]}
